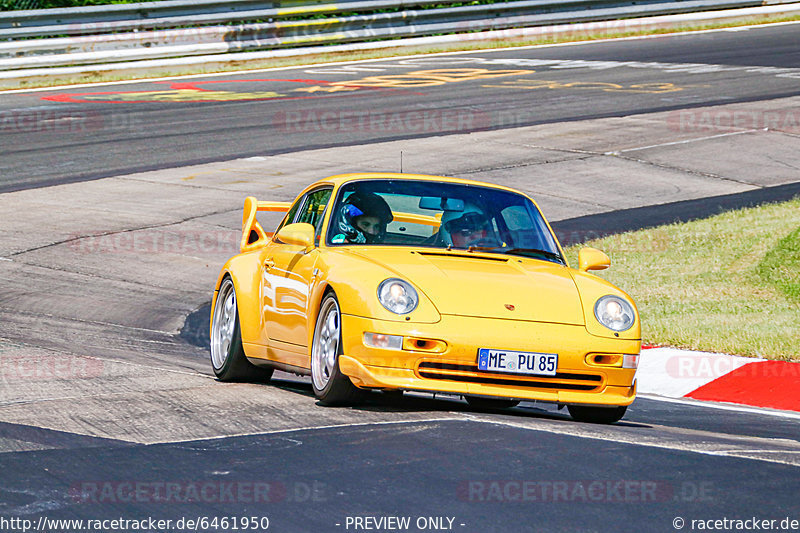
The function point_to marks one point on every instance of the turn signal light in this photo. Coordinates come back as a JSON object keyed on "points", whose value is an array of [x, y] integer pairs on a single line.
{"points": [[380, 340], [630, 361]]}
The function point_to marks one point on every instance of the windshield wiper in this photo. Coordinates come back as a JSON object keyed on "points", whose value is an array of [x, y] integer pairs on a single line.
{"points": [[506, 250]]}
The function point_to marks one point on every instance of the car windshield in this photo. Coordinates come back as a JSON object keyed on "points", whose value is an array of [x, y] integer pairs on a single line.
{"points": [[440, 215]]}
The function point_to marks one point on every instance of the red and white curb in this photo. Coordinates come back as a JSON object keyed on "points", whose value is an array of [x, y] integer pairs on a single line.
{"points": [[675, 373]]}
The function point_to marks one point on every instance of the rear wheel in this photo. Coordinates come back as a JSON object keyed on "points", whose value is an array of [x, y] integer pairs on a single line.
{"points": [[597, 415], [330, 385], [227, 355], [478, 402]]}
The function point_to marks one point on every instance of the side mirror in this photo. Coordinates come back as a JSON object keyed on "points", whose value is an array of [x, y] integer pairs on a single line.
{"points": [[592, 259], [299, 233]]}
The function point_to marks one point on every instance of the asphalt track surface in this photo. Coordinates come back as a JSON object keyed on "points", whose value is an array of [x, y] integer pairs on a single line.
{"points": [[528, 469], [77, 134], [486, 473]]}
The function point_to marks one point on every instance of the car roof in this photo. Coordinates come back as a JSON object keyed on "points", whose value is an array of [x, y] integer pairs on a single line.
{"points": [[340, 179]]}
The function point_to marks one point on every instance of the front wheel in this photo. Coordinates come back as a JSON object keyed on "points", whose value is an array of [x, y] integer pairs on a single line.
{"points": [[227, 355], [597, 415], [331, 387]]}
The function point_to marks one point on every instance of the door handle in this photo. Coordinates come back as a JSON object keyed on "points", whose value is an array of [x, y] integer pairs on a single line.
{"points": [[269, 263]]}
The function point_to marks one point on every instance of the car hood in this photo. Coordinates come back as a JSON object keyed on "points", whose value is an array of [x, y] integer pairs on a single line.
{"points": [[486, 285]]}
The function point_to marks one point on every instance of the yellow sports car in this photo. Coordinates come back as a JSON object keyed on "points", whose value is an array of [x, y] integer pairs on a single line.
{"points": [[401, 282]]}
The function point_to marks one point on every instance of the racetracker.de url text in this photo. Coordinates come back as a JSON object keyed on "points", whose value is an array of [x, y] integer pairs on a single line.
{"points": [[43, 524]]}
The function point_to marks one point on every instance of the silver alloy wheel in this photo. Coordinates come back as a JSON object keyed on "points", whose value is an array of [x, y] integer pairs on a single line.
{"points": [[223, 324], [326, 344]]}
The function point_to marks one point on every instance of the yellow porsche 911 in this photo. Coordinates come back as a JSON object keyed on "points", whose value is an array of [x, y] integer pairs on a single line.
{"points": [[420, 283]]}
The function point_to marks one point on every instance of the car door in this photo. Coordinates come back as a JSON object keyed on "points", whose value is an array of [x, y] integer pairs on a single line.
{"points": [[288, 275]]}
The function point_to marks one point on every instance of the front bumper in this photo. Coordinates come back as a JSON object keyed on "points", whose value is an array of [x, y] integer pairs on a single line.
{"points": [[442, 357]]}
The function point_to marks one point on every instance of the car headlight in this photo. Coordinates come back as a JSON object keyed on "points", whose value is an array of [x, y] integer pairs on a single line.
{"points": [[614, 313], [397, 296]]}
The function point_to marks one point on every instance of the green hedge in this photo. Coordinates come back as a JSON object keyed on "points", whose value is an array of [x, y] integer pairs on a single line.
{"points": [[10, 5]]}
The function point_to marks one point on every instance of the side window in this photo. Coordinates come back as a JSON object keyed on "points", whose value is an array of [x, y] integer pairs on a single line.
{"points": [[314, 208], [310, 209]]}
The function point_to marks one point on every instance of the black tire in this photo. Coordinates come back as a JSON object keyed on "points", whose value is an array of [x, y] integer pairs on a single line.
{"points": [[330, 386], [597, 415], [478, 402], [227, 354]]}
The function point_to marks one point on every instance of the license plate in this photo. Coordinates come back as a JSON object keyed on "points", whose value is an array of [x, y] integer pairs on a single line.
{"points": [[540, 364]]}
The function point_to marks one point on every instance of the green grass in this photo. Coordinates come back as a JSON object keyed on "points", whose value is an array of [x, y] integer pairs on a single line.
{"points": [[730, 283], [781, 266]]}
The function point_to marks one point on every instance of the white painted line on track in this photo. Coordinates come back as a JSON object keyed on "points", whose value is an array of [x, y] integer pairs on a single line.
{"points": [[722, 406], [687, 141], [315, 428], [384, 59], [763, 451], [70, 432], [150, 367], [560, 427], [606, 433]]}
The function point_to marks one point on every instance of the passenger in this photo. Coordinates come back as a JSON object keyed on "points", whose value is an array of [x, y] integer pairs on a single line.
{"points": [[362, 219]]}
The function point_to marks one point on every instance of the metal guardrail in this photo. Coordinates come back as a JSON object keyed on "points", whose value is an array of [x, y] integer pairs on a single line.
{"points": [[101, 34], [179, 13]]}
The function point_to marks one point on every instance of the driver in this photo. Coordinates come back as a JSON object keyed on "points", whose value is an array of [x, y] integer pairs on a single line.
{"points": [[470, 229], [362, 219]]}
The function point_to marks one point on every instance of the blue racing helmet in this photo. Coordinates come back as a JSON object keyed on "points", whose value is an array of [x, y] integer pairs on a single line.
{"points": [[362, 204]]}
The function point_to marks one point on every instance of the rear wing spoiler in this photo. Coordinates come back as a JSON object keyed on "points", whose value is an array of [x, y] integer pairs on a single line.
{"points": [[425, 220], [252, 232]]}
